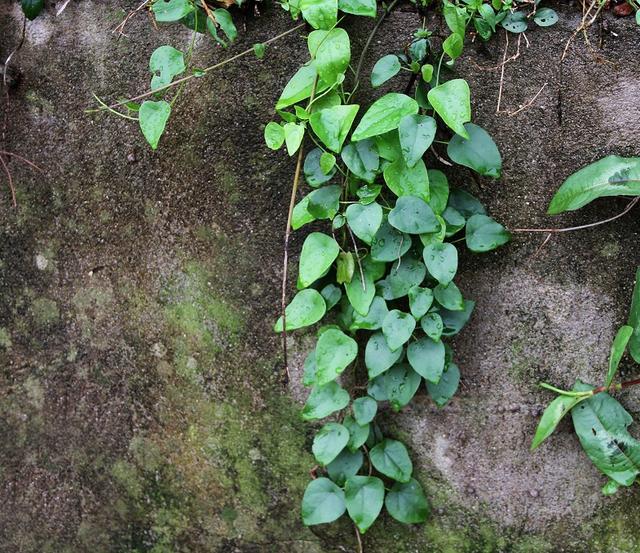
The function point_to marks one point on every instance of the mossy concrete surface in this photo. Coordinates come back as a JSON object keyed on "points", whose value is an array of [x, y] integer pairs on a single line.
{"points": [[142, 405]]}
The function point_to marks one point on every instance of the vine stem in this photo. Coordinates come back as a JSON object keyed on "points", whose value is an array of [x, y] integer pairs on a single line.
{"points": [[626, 210], [589, 393], [188, 77], [360, 550], [367, 44]]}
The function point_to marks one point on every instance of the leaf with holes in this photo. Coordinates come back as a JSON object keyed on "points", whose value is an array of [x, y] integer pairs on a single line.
{"points": [[545, 17]]}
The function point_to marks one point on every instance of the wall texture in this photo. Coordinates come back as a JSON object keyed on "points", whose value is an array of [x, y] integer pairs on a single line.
{"points": [[141, 398]]}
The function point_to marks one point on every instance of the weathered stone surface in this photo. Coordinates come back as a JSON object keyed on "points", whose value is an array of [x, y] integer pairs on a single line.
{"points": [[141, 400]]}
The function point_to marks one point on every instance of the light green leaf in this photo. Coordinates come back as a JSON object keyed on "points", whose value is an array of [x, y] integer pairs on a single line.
{"points": [[453, 46], [416, 135], [306, 308], [364, 409], [373, 319], [300, 86], [364, 496], [432, 325], [384, 115], [449, 296], [293, 135], [390, 457], [274, 135], [364, 220], [323, 502], [441, 261], [330, 440], [427, 358], [446, 387], [332, 53], [366, 8], [403, 180], [545, 17], [313, 173], [389, 244], [438, 190], [319, 251], [362, 159], [397, 328], [384, 69], [398, 385], [479, 152], [309, 372], [320, 14], [610, 176], [319, 204], [325, 400], [452, 102], [224, 20], [327, 162], [165, 63], [552, 416], [634, 320], [601, 425], [388, 145], [167, 11], [617, 351], [407, 503], [345, 267], [361, 294], [378, 357], [332, 125], [358, 433], [153, 117], [334, 352], [420, 300], [484, 234], [344, 466]]}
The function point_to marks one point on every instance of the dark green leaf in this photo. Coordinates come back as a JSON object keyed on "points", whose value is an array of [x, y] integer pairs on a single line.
{"points": [[416, 135], [320, 204], [361, 158], [484, 234], [153, 117], [32, 8], [323, 502], [446, 387], [441, 261], [331, 294], [306, 308], [427, 358], [610, 176], [413, 215], [438, 191], [378, 357], [330, 440], [479, 152], [361, 294], [364, 409], [390, 457], [398, 385], [358, 433], [432, 325], [334, 352], [224, 20], [454, 321], [344, 466], [407, 503], [364, 496], [384, 115], [373, 319], [465, 203], [319, 251], [325, 400], [384, 69], [398, 328], [389, 244], [313, 173], [449, 296], [420, 300], [601, 424]]}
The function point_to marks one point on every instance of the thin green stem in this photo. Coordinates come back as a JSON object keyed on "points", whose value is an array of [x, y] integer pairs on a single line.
{"points": [[565, 392], [111, 110]]}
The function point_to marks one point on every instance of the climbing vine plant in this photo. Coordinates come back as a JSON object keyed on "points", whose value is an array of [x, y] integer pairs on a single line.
{"points": [[380, 277]]}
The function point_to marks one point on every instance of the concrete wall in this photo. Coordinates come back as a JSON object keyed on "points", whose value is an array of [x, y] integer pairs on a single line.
{"points": [[141, 398]]}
